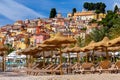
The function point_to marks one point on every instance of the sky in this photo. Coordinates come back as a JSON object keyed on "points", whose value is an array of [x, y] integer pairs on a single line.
{"points": [[12, 10]]}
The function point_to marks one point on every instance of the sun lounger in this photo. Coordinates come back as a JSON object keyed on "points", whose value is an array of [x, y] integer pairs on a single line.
{"points": [[117, 66], [57, 69], [48, 69], [104, 66], [87, 67], [28, 71], [76, 68], [53, 70]]}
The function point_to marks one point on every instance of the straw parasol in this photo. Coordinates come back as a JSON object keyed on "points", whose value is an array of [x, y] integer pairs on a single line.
{"points": [[3, 50], [112, 49], [103, 44], [114, 42], [46, 47], [27, 53], [77, 50], [59, 39], [67, 50], [91, 46], [30, 51]]}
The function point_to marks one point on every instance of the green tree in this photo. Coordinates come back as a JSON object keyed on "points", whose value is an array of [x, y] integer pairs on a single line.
{"points": [[90, 6], [10, 49], [74, 10], [80, 41], [115, 30], [100, 6], [53, 13], [86, 5], [99, 33], [109, 20], [97, 12], [95, 6], [116, 9]]}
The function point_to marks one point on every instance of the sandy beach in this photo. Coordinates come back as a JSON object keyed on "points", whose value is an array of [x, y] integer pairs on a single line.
{"points": [[19, 76]]}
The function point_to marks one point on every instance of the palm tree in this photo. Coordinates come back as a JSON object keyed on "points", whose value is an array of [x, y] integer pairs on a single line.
{"points": [[10, 48], [80, 41]]}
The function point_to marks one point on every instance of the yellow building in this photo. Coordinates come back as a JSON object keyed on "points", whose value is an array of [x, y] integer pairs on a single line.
{"points": [[21, 41], [88, 15], [32, 40], [100, 16], [19, 45]]}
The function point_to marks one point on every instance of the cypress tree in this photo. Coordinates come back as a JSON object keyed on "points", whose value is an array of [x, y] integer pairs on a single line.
{"points": [[53, 13], [116, 9], [74, 11]]}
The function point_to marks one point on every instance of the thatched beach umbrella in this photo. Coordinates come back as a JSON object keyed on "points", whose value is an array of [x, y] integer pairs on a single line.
{"points": [[3, 50], [89, 47], [114, 42], [46, 47], [112, 49], [29, 52], [103, 44], [67, 50], [59, 39], [77, 50]]}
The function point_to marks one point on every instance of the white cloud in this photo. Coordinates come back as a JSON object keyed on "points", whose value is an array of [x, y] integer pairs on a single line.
{"points": [[116, 2], [14, 11]]}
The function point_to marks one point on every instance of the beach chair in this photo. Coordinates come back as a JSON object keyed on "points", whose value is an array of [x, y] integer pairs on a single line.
{"points": [[26, 70], [43, 70], [57, 70], [54, 70], [76, 68], [36, 66], [104, 66], [87, 67], [76, 65], [117, 66]]}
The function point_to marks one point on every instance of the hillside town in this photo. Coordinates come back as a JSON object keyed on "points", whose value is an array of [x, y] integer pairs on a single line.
{"points": [[38, 44], [35, 31]]}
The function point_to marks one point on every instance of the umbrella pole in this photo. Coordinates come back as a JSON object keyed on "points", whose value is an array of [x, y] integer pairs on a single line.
{"points": [[43, 59], [93, 56], [51, 56], [78, 58], [31, 61], [68, 62], [114, 57], [69, 57], [87, 57], [52, 59], [27, 61], [107, 55], [4, 66], [61, 62]]}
